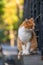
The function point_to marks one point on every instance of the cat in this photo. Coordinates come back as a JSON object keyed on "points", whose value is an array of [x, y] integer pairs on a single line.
{"points": [[26, 41]]}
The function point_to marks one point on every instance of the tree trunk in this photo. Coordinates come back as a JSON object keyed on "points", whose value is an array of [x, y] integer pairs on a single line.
{"points": [[11, 32]]}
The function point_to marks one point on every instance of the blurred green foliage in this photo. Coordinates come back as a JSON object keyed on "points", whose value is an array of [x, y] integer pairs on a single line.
{"points": [[14, 26], [2, 36]]}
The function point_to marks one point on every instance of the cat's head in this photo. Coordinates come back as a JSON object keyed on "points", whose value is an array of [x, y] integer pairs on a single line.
{"points": [[29, 23]]}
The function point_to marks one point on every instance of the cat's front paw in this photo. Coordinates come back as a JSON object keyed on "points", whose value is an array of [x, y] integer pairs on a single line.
{"points": [[27, 53], [23, 52]]}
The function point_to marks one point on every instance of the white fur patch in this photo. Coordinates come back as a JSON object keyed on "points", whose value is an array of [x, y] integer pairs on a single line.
{"points": [[26, 49], [24, 34]]}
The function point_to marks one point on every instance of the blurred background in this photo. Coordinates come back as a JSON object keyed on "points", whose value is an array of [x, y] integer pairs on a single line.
{"points": [[11, 16]]}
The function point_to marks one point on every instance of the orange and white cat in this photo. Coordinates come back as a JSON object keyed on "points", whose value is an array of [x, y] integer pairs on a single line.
{"points": [[26, 41]]}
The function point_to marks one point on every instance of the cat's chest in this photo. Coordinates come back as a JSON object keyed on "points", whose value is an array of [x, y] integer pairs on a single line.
{"points": [[24, 34]]}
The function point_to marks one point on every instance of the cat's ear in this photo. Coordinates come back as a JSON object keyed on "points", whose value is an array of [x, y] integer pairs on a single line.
{"points": [[32, 19], [26, 20]]}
